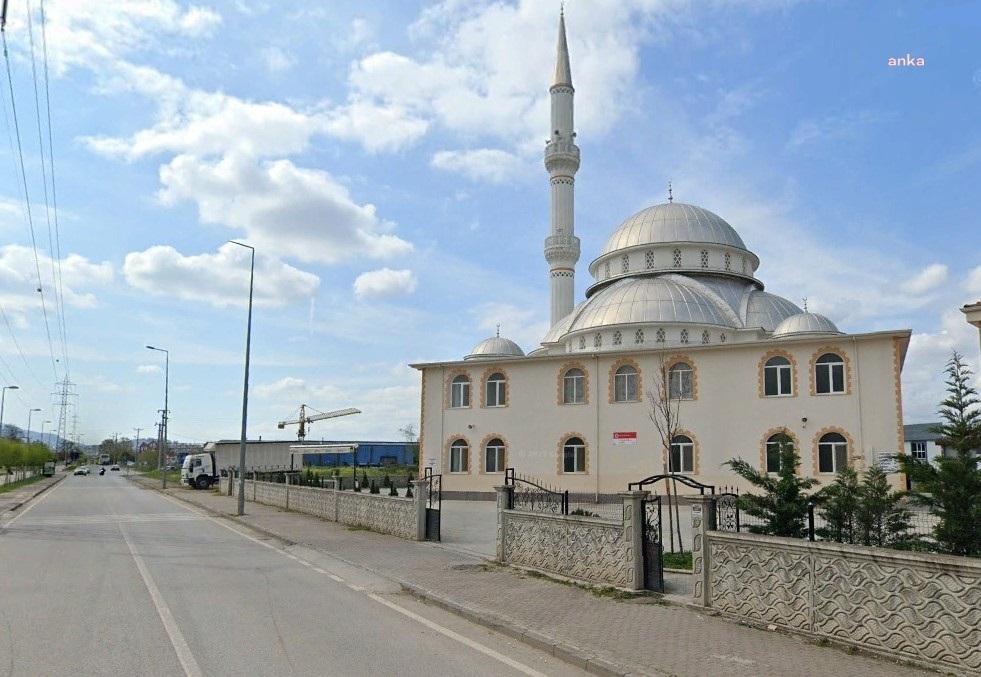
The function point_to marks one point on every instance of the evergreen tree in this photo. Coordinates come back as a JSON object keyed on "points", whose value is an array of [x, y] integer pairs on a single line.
{"points": [[839, 505], [951, 487], [783, 505], [879, 518]]}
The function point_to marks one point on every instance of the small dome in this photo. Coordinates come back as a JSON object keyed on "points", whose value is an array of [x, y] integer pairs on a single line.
{"points": [[805, 323], [495, 347], [647, 300], [672, 222]]}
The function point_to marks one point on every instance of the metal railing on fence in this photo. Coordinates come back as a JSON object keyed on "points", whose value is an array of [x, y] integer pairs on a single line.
{"points": [[528, 493]]}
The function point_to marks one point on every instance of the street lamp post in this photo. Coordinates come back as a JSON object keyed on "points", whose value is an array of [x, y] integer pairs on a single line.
{"points": [[29, 412], [166, 415], [3, 397], [245, 388]]}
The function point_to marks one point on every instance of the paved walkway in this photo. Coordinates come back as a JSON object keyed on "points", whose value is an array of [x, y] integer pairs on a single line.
{"points": [[604, 635]]}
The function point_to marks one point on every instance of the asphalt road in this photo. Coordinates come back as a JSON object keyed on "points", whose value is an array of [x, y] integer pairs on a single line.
{"points": [[101, 577]]}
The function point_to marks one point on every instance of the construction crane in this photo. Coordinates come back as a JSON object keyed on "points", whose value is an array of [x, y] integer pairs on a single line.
{"points": [[303, 419]]}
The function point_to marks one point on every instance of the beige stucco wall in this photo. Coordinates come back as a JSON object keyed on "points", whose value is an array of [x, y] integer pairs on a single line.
{"points": [[727, 418]]}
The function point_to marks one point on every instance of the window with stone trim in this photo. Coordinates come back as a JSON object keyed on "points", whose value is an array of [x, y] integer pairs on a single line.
{"points": [[682, 456], [625, 384], [574, 386], [681, 381], [829, 374], [778, 377], [460, 392], [832, 453], [574, 456], [494, 456], [773, 453], [459, 456], [496, 388]]}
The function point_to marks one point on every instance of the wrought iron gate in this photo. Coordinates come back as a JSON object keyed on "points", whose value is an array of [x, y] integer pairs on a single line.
{"points": [[434, 504], [727, 511], [653, 549]]}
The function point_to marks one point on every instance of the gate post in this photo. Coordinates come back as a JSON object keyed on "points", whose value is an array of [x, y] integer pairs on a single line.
{"points": [[503, 503], [421, 499], [702, 521], [633, 534]]}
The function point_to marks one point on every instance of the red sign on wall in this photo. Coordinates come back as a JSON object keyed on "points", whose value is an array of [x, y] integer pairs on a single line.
{"points": [[625, 438]]}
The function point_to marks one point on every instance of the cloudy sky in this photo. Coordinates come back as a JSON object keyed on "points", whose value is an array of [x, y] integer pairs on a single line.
{"points": [[384, 158]]}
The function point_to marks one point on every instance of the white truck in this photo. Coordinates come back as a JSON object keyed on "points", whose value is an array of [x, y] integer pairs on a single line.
{"points": [[199, 471]]}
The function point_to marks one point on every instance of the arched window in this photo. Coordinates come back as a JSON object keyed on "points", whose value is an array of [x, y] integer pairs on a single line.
{"points": [[495, 390], [777, 377], [681, 382], [773, 452], [459, 456], [573, 456], [682, 457], [832, 453], [625, 384], [460, 392], [829, 374], [494, 455], [574, 387]]}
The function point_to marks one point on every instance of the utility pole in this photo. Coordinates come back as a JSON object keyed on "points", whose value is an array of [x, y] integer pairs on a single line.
{"points": [[136, 449]]}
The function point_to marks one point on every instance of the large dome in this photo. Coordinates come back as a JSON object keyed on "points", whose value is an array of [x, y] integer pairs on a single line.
{"points": [[672, 222], [643, 300]]}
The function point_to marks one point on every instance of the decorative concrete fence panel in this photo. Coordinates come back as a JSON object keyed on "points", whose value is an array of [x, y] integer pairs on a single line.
{"points": [[917, 606], [583, 548], [578, 547], [389, 515], [384, 514]]}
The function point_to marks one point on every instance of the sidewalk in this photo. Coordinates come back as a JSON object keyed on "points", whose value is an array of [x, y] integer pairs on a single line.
{"points": [[604, 635], [14, 499]]}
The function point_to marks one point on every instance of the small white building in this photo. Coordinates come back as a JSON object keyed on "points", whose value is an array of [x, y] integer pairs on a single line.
{"points": [[674, 308], [921, 444]]}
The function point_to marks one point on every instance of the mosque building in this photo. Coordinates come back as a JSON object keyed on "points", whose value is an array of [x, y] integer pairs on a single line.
{"points": [[675, 328]]}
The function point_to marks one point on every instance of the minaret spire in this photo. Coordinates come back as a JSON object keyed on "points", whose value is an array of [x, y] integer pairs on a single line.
{"points": [[562, 163]]}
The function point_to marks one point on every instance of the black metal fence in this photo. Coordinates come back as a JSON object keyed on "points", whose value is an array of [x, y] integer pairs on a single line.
{"points": [[531, 494]]}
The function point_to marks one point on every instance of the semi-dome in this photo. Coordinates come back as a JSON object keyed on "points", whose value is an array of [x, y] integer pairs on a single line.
{"points": [[805, 323], [495, 347], [672, 222], [647, 300], [767, 311]]}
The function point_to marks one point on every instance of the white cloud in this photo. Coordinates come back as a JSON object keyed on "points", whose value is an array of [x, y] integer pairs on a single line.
{"points": [[19, 279], [148, 369], [926, 280], [220, 279], [834, 128], [489, 164], [973, 281], [277, 60], [284, 210], [384, 283]]}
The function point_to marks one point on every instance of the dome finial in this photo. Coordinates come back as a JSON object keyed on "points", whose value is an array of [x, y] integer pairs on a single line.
{"points": [[670, 197], [499, 330], [805, 304]]}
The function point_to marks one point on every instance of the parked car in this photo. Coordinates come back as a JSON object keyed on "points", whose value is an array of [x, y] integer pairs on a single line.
{"points": [[114, 468], [82, 470]]}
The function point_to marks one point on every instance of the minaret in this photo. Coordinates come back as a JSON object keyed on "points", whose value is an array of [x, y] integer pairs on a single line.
{"points": [[562, 163]]}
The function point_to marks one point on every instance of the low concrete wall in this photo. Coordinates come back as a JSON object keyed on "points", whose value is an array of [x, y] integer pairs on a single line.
{"points": [[384, 514], [916, 606], [583, 548]]}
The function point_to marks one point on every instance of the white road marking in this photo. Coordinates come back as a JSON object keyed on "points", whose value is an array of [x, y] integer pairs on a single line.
{"points": [[33, 503], [184, 655], [446, 632], [114, 519]]}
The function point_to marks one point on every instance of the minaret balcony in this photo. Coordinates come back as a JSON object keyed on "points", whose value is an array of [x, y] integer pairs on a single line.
{"points": [[562, 248]]}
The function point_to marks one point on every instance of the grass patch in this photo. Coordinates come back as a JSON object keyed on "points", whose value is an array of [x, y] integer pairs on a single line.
{"points": [[20, 483], [677, 560], [609, 592]]}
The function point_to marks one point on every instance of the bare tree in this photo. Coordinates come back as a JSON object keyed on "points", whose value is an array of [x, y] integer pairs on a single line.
{"points": [[665, 414]]}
